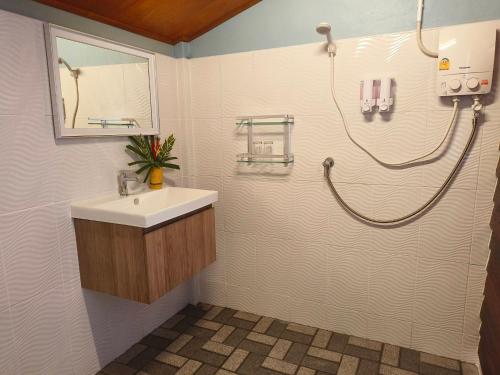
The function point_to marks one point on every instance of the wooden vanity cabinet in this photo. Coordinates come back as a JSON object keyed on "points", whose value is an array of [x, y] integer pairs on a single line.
{"points": [[142, 264]]}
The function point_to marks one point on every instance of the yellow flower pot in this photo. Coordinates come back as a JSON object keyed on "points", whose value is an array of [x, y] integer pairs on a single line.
{"points": [[156, 178]]}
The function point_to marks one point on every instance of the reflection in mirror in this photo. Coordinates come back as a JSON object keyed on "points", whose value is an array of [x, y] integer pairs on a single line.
{"points": [[100, 87]]}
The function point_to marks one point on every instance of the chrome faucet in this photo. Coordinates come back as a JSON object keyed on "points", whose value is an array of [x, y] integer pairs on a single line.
{"points": [[123, 177]]}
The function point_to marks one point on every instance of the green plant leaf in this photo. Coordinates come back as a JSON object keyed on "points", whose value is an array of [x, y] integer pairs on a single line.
{"points": [[147, 175], [137, 151], [143, 168], [171, 166], [135, 140], [138, 162]]}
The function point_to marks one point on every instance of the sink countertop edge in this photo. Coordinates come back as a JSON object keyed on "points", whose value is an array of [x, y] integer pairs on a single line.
{"points": [[78, 211]]}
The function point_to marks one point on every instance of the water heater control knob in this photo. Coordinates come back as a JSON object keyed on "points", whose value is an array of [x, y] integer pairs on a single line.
{"points": [[473, 83], [455, 84]]}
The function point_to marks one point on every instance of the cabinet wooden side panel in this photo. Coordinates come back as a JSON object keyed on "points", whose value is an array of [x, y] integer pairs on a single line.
{"points": [[129, 261], [168, 263], [95, 255], [200, 236], [112, 259]]}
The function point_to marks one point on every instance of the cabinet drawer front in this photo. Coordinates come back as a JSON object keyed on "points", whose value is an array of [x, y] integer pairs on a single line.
{"points": [[177, 251]]}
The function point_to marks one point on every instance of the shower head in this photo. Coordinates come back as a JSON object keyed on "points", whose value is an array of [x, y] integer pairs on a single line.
{"points": [[74, 72], [324, 28]]}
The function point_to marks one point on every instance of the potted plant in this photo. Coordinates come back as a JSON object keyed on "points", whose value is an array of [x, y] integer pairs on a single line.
{"points": [[152, 156]]}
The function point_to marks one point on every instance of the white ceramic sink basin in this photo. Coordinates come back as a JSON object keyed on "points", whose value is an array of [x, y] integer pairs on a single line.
{"points": [[144, 209]]}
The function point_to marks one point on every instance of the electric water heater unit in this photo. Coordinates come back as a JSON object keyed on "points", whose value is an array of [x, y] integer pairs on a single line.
{"points": [[465, 61]]}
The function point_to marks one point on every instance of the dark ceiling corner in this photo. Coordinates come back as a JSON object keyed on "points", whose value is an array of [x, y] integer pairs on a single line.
{"points": [[170, 21]]}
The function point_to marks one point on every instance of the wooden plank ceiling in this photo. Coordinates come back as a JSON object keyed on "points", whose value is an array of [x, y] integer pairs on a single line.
{"points": [[169, 21]]}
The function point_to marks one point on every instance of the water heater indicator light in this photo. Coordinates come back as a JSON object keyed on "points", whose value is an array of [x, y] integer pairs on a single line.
{"points": [[455, 84]]}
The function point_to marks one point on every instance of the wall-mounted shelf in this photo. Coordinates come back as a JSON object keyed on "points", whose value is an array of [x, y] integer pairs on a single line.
{"points": [[267, 152]]}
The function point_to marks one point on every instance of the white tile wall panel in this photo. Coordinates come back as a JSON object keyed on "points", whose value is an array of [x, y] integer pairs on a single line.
{"points": [[492, 98], [436, 340], [392, 280], [239, 96], [206, 87], [441, 285], [207, 147], [453, 215], [273, 305], [40, 341], [469, 348], [30, 139], [389, 330], [67, 243], [347, 232], [295, 210], [489, 151], [273, 261], [481, 234], [435, 174], [7, 360], [183, 87], [239, 205], [308, 313], [87, 326], [313, 139], [241, 259], [389, 203], [30, 253], [342, 320], [4, 297], [347, 279], [241, 298], [396, 139], [23, 67], [474, 299], [308, 270], [217, 184], [213, 293], [168, 91]]}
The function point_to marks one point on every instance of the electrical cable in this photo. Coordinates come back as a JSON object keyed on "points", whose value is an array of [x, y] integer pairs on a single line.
{"points": [[378, 160], [424, 50]]}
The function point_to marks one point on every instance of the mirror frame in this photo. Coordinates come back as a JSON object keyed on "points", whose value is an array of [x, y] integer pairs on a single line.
{"points": [[51, 33]]}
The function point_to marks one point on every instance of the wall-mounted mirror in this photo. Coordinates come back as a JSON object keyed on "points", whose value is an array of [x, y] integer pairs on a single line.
{"points": [[99, 87]]}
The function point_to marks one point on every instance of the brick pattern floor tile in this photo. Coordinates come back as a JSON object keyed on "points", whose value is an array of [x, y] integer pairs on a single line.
{"points": [[208, 340]]}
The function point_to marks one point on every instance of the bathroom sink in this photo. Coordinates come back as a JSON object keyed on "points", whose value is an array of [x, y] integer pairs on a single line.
{"points": [[144, 209]]}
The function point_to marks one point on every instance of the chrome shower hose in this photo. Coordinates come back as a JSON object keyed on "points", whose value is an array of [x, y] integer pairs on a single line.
{"points": [[328, 164]]}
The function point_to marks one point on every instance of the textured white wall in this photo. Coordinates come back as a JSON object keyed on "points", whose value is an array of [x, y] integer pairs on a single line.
{"points": [[285, 247], [48, 324]]}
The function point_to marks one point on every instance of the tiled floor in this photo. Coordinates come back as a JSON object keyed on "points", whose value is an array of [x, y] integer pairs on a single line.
{"points": [[208, 339]]}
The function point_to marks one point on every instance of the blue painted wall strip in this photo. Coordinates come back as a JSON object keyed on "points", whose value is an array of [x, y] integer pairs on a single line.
{"points": [[59, 17], [279, 23]]}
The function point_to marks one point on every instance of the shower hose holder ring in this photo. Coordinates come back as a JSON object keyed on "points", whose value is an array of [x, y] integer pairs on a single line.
{"points": [[327, 164]]}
